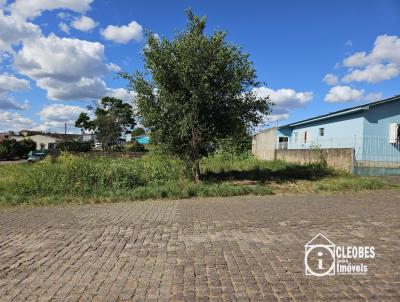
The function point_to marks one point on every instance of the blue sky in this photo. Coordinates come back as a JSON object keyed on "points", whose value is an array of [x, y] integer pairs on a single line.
{"points": [[313, 57]]}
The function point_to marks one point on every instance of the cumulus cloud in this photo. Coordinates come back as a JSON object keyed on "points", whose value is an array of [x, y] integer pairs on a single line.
{"points": [[382, 63], [342, 94], [123, 34], [284, 100], [69, 69], [10, 83], [83, 89], [33, 8], [14, 30], [8, 102], [64, 27], [84, 23], [331, 79], [14, 121], [121, 93], [55, 116], [373, 97], [373, 73]]}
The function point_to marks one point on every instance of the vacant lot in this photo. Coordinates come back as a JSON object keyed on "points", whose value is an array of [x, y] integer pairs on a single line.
{"points": [[222, 249], [83, 179]]}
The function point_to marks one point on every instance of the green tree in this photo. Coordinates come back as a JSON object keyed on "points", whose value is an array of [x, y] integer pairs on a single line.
{"points": [[138, 131], [112, 117], [25, 146], [196, 91], [11, 149]]}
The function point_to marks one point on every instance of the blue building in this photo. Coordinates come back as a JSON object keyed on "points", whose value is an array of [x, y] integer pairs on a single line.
{"points": [[143, 139], [371, 129]]}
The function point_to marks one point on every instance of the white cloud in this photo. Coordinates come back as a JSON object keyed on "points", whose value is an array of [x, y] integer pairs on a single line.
{"points": [[382, 63], [8, 102], [331, 79], [83, 89], [10, 83], [55, 116], [123, 34], [122, 94], [13, 31], [342, 94], [284, 100], [28, 9], [14, 121], [386, 48], [84, 23], [348, 43], [373, 73], [287, 98], [64, 27], [373, 97], [69, 69]]}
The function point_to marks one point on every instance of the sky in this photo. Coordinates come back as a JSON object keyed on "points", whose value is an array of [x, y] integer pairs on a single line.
{"points": [[312, 57]]}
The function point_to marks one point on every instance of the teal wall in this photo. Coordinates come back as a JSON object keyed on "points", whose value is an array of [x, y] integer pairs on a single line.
{"points": [[339, 132], [376, 144]]}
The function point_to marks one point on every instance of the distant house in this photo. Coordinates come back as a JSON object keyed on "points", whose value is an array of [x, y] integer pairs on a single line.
{"points": [[143, 139], [45, 140], [372, 130]]}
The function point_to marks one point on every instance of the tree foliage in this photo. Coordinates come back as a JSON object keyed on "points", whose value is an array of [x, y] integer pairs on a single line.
{"points": [[138, 131], [196, 91], [112, 117], [11, 149]]}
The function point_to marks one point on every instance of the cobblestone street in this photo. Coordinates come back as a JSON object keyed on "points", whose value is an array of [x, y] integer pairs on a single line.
{"points": [[222, 249]]}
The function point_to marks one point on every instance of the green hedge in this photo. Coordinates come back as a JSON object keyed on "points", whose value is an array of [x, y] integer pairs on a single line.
{"points": [[11, 149], [74, 146]]}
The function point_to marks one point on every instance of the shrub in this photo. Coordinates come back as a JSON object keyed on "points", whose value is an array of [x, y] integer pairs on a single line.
{"points": [[74, 146], [25, 146], [71, 174], [134, 146], [11, 149]]}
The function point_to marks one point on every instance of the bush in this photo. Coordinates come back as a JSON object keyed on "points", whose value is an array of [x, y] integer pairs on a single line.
{"points": [[134, 146], [25, 146], [11, 149], [74, 146], [71, 174]]}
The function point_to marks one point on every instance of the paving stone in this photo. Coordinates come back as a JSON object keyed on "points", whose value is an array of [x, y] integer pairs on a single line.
{"points": [[216, 249]]}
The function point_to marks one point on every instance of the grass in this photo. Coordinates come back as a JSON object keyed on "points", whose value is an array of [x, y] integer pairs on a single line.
{"points": [[82, 179]]}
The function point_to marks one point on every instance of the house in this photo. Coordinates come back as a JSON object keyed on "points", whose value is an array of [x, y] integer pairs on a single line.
{"points": [[45, 140], [372, 130], [143, 139]]}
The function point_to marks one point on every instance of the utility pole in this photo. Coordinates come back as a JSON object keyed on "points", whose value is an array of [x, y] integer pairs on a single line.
{"points": [[65, 132]]}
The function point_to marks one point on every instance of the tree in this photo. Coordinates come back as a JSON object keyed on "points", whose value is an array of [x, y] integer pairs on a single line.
{"points": [[11, 148], [112, 117], [196, 91], [138, 131], [25, 146]]}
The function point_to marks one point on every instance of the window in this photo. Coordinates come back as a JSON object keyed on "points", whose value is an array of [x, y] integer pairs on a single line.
{"points": [[283, 142], [304, 137], [296, 137], [321, 131]]}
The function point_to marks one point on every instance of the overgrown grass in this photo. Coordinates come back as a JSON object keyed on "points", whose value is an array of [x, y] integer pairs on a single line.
{"points": [[81, 179]]}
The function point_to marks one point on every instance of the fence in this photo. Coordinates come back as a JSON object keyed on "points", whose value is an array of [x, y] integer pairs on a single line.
{"points": [[369, 151]]}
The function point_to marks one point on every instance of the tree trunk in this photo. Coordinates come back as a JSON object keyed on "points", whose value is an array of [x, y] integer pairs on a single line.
{"points": [[196, 171]]}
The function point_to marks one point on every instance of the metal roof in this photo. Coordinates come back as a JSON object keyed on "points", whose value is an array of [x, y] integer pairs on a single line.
{"points": [[342, 112]]}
